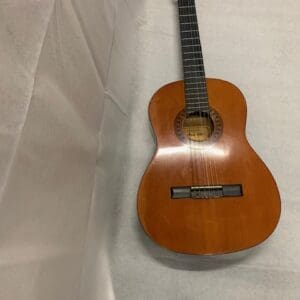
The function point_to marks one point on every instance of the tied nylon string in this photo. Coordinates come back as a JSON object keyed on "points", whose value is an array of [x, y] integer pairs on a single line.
{"points": [[204, 99], [200, 83], [183, 8], [211, 167], [186, 23], [191, 16], [201, 99]]}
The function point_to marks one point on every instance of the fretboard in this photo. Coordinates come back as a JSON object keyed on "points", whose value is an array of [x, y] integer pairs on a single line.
{"points": [[196, 99]]}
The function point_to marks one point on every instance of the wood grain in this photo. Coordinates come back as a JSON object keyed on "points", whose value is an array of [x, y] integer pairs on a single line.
{"points": [[207, 226]]}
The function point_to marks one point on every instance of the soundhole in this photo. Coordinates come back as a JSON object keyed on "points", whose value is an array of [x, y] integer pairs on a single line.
{"points": [[198, 129]]}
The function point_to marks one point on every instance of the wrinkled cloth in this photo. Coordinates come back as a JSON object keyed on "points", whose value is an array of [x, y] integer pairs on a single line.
{"points": [[75, 79]]}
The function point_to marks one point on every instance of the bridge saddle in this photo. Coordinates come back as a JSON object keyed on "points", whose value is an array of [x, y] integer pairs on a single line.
{"points": [[207, 191]]}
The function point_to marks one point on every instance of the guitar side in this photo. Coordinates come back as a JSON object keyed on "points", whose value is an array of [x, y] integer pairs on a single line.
{"points": [[206, 226]]}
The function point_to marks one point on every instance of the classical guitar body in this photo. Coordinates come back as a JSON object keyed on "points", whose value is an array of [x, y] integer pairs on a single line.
{"points": [[205, 191], [214, 223]]}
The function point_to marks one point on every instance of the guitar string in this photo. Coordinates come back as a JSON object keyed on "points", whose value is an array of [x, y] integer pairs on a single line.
{"points": [[181, 8], [201, 86], [211, 164], [194, 152]]}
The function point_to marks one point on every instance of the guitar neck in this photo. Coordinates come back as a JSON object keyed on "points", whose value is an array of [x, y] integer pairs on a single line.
{"points": [[196, 99]]}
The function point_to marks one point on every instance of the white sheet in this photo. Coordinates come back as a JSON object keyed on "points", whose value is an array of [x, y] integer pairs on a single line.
{"points": [[75, 81]]}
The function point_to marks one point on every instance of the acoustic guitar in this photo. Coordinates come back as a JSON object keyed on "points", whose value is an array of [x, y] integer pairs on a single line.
{"points": [[205, 191]]}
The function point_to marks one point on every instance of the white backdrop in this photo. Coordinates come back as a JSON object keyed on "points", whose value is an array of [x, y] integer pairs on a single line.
{"points": [[75, 80]]}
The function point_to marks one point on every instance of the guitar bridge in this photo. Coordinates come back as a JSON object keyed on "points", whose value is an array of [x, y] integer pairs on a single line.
{"points": [[207, 191]]}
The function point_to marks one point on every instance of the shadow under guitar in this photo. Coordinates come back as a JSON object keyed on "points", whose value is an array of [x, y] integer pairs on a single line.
{"points": [[192, 262]]}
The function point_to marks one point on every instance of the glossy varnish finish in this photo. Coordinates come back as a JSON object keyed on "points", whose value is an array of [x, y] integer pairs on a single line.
{"points": [[206, 226]]}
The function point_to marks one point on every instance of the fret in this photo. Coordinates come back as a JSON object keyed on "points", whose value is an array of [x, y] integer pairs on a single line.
{"points": [[202, 106], [191, 59], [191, 105], [189, 6], [197, 104], [203, 103], [191, 83], [192, 30], [197, 98], [193, 45], [191, 70], [194, 66], [199, 91], [197, 107], [187, 39], [189, 31], [195, 101], [189, 23], [197, 88], [192, 52], [194, 89], [200, 95], [191, 94], [188, 15]]}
